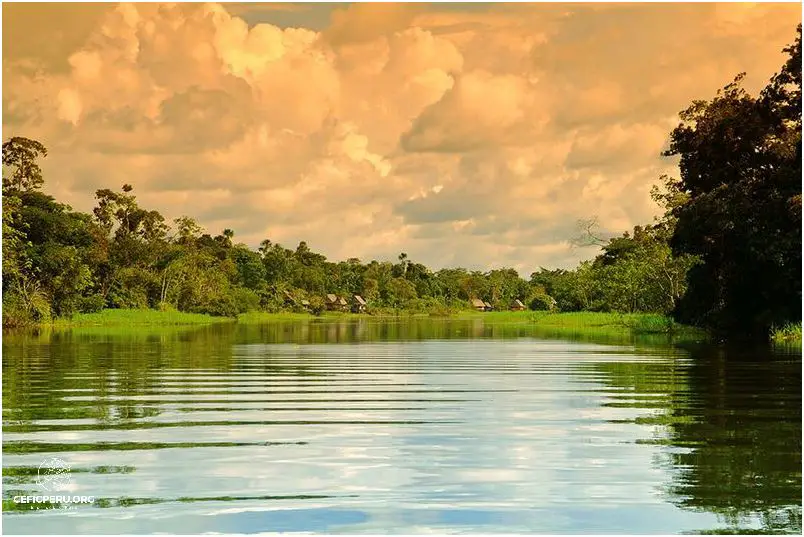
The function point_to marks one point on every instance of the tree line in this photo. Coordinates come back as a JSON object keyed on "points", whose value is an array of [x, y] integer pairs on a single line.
{"points": [[726, 255]]}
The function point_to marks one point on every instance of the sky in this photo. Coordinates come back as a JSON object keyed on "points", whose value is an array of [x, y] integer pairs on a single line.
{"points": [[472, 135]]}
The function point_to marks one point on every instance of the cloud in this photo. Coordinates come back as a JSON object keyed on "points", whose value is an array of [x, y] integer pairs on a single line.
{"points": [[459, 134], [367, 21], [480, 110]]}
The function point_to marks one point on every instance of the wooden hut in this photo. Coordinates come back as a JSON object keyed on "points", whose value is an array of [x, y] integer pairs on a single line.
{"points": [[488, 306], [517, 305], [478, 304], [288, 299], [358, 304], [335, 303]]}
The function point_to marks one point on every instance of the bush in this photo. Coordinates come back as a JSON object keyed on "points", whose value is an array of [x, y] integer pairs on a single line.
{"points": [[25, 304], [542, 303], [221, 306], [787, 333], [245, 300], [317, 305], [90, 304], [132, 288], [650, 324], [165, 306]]}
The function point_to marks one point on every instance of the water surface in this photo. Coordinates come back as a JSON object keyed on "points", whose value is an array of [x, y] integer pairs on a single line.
{"points": [[399, 427]]}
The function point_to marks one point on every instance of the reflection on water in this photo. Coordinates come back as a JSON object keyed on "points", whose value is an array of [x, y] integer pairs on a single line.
{"points": [[398, 427]]}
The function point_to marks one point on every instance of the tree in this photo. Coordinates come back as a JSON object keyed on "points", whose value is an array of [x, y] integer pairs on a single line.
{"points": [[740, 163], [20, 154], [187, 230], [398, 292]]}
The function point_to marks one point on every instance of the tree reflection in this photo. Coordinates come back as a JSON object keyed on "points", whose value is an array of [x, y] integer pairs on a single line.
{"points": [[731, 430]]}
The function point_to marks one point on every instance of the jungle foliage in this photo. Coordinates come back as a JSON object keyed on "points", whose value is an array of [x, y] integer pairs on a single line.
{"points": [[726, 255]]}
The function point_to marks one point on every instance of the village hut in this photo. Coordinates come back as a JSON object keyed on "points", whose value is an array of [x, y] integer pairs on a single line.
{"points": [[478, 304], [358, 304], [517, 305], [288, 298], [336, 303]]}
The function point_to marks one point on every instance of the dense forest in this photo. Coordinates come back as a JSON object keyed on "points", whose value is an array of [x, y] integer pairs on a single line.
{"points": [[726, 255]]}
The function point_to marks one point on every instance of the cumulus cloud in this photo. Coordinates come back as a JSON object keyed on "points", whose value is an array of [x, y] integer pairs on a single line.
{"points": [[472, 135]]}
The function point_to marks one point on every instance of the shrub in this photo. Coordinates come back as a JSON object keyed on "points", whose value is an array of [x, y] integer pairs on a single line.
{"points": [[316, 305], [221, 306], [25, 303], [245, 300], [542, 303], [787, 333], [90, 304]]}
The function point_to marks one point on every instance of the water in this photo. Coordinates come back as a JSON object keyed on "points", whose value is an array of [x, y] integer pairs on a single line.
{"points": [[398, 427]]}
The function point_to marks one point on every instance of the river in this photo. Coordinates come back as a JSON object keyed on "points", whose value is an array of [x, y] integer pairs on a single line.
{"points": [[415, 426]]}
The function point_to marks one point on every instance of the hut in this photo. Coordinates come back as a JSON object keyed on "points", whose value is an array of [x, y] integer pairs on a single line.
{"points": [[517, 305], [358, 304], [288, 299], [292, 302], [478, 304], [335, 303], [487, 306]]}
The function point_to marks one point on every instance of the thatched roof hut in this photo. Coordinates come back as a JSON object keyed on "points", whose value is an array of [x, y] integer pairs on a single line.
{"points": [[517, 305]]}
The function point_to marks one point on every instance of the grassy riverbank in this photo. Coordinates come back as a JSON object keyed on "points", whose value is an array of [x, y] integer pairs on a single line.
{"points": [[787, 335], [592, 323], [637, 322], [139, 317]]}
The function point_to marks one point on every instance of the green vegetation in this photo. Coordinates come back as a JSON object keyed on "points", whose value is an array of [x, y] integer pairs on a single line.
{"points": [[139, 317], [592, 323], [725, 256], [789, 333], [740, 205]]}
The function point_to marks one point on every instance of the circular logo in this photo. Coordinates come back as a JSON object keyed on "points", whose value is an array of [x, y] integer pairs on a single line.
{"points": [[54, 474]]}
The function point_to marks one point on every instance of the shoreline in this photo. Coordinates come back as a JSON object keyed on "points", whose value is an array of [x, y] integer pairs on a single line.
{"points": [[584, 323], [637, 323]]}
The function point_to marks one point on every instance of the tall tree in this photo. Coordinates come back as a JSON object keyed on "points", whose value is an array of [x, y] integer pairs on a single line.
{"points": [[741, 168], [20, 156]]}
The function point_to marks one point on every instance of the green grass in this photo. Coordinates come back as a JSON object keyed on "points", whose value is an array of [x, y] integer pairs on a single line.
{"points": [[139, 317], [789, 333], [588, 321], [257, 317]]}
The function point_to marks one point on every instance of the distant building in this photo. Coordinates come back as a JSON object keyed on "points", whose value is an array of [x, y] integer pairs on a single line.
{"points": [[488, 306], [288, 298], [335, 303], [518, 305], [291, 302], [358, 304], [478, 304]]}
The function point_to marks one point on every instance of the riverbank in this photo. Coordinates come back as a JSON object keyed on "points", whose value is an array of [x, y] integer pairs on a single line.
{"points": [[570, 322], [139, 317], [787, 335]]}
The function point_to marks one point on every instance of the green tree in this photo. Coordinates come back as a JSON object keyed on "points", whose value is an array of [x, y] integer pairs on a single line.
{"points": [[740, 163], [20, 156]]}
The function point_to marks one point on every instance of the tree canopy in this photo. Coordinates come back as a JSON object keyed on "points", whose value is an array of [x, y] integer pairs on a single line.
{"points": [[726, 254]]}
